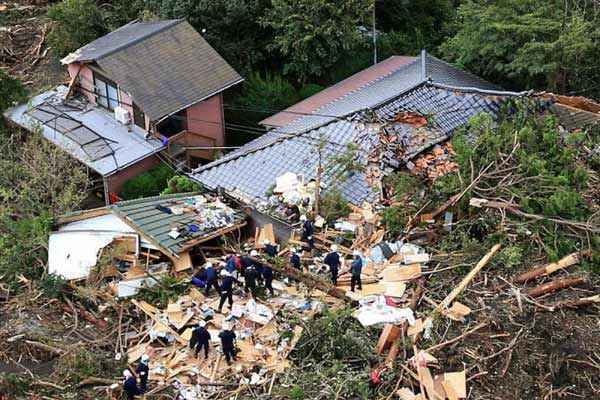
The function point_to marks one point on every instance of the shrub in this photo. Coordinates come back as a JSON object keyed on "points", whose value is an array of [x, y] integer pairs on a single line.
{"points": [[150, 183], [168, 288], [76, 23], [333, 205], [11, 91], [181, 184]]}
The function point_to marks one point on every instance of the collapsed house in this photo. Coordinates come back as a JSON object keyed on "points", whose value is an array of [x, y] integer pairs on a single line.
{"points": [[389, 113], [153, 235], [146, 93]]}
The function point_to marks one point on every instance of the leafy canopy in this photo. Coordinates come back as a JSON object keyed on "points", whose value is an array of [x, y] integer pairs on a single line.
{"points": [[313, 35], [522, 44], [76, 23]]}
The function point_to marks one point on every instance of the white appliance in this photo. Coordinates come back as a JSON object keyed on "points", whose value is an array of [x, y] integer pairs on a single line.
{"points": [[122, 115]]}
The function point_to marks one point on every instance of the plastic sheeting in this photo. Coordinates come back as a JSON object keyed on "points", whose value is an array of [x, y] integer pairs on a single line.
{"points": [[73, 254], [374, 310]]}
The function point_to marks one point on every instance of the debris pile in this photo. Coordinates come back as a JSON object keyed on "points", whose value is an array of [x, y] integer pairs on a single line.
{"points": [[434, 163]]}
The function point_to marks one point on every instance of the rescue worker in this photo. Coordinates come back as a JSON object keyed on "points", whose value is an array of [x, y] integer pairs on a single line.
{"points": [[270, 249], [332, 260], [228, 343], [356, 270], [233, 263], [199, 278], [292, 212], [308, 231], [295, 259], [211, 279], [250, 277], [258, 266], [129, 385], [267, 273], [200, 339], [226, 289], [142, 371]]}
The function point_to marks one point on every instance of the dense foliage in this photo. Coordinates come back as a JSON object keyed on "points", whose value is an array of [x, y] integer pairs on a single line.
{"points": [[530, 44], [76, 22], [149, 183]]}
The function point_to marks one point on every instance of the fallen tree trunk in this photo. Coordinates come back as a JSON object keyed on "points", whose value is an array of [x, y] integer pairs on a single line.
{"points": [[512, 208], [554, 286], [545, 270], [95, 381], [45, 347], [467, 279], [309, 279], [582, 302]]}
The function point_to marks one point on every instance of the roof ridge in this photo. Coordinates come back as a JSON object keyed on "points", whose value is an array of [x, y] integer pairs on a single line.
{"points": [[171, 24], [153, 198], [464, 71]]}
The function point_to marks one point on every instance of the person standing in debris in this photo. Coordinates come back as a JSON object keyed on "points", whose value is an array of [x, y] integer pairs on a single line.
{"points": [[227, 336], [332, 260], [233, 263], [270, 249], [267, 273], [250, 277], [258, 266], [211, 279], [142, 371], [292, 212], [130, 386], [226, 289], [200, 339], [295, 259], [356, 270], [199, 278], [308, 231]]}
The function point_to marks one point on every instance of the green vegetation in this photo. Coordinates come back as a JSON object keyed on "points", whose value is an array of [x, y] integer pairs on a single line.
{"points": [[11, 92], [333, 205], [167, 288], [83, 363], [524, 44], [76, 23], [181, 184], [150, 183]]}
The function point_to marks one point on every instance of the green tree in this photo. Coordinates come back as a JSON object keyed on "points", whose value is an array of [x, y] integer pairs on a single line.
{"points": [[181, 184], [313, 35], [76, 23], [230, 26], [550, 45]]}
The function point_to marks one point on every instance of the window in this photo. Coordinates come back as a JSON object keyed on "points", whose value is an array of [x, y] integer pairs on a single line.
{"points": [[108, 96]]}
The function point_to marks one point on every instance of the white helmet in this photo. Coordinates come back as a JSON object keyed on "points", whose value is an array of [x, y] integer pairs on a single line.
{"points": [[224, 272], [202, 324], [266, 242], [334, 247], [303, 217], [254, 253], [208, 265], [226, 326], [126, 373], [356, 253], [145, 358], [222, 263]]}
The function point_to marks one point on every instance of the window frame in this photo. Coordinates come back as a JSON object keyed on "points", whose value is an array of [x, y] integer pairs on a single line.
{"points": [[110, 103]]}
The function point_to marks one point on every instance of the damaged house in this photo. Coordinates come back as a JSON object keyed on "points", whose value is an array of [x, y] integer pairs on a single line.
{"points": [[143, 238], [146, 93], [389, 114]]}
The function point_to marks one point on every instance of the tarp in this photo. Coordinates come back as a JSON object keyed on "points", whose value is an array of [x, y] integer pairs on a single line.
{"points": [[73, 254]]}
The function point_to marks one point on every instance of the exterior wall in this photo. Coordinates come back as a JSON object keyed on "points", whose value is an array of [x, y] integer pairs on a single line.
{"points": [[115, 182], [126, 102], [206, 122], [86, 80]]}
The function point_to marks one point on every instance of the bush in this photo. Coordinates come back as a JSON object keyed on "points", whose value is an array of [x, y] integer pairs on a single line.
{"points": [[150, 183], [333, 205], [181, 184], [77, 365], [76, 23], [11, 92], [167, 289]]}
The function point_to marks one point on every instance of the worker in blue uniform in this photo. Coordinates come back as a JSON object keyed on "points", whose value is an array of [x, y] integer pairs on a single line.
{"points": [[332, 260], [355, 271]]}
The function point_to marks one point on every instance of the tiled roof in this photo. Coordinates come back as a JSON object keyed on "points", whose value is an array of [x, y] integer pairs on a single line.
{"points": [[166, 66], [154, 224], [337, 91], [253, 169]]}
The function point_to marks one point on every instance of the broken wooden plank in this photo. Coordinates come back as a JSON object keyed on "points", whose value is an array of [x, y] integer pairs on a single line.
{"points": [[467, 279], [389, 334], [148, 310]]}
